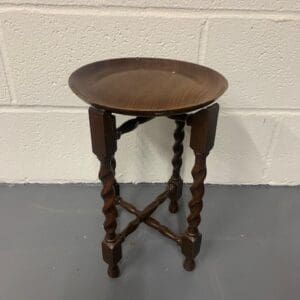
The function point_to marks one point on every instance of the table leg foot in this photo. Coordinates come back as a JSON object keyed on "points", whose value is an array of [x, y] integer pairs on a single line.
{"points": [[189, 264]]}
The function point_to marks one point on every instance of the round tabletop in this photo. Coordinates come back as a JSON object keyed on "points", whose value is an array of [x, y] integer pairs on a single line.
{"points": [[147, 86]]}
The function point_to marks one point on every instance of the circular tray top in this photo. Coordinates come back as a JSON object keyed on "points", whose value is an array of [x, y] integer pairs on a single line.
{"points": [[147, 86]]}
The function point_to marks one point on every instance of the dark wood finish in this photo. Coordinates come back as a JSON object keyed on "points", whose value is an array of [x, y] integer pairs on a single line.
{"points": [[103, 135], [131, 125], [147, 86], [151, 222], [203, 131], [175, 182], [143, 215], [112, 254], [180, 117], [116, 185]]}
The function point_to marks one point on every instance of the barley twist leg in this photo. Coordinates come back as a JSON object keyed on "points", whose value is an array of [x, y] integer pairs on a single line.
{"points": [[175, 182], [203, 128], [103, 134]]}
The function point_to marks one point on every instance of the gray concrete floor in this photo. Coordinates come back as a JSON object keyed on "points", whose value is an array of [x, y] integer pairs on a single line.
{"points": [[49, 241]]}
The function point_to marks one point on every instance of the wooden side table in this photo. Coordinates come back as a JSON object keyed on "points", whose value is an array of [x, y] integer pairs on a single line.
{"points": [[147, 88]]}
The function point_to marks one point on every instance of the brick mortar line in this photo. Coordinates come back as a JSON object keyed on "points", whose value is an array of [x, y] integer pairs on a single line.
{"points": [[41, 109], [6, 67], [203, 39], [153, 11], [260, 110], [270, 149], [78, 109]]}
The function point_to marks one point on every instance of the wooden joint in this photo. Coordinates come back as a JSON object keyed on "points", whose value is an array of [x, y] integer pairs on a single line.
{"points": [[191, 245], [111, 251], [103, 133], [141, 216], [203, 129]]}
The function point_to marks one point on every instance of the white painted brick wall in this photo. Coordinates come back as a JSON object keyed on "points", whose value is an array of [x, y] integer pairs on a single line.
{"points": [[44, 127]]}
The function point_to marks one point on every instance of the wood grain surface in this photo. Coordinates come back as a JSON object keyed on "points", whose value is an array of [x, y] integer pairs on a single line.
{"points": [[147, 86]]}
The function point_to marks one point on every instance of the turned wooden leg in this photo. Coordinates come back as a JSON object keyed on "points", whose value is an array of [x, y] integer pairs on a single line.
{"points": [[103, 135], [175, 182], [203, 128]]}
